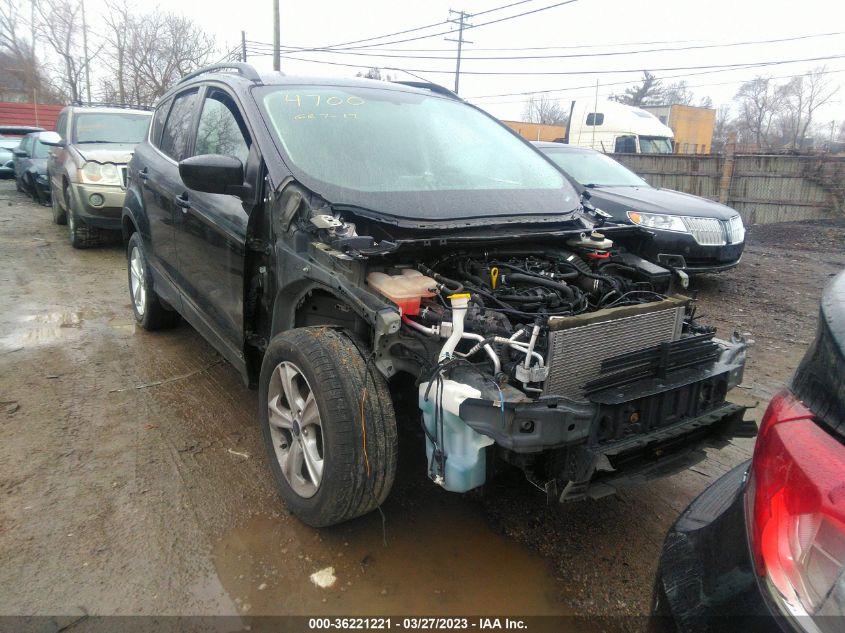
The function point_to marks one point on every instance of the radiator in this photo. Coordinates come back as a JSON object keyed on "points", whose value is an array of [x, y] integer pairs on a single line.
{"points": [[576, 354]]}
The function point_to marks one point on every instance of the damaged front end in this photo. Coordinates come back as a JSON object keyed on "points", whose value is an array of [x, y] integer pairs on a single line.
{"points": [[562, 354]]}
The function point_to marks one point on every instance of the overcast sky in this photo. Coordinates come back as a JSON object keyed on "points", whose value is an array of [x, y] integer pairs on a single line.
{"points": [[582, 27]]}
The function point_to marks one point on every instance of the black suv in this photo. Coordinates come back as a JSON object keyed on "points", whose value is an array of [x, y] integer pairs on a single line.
{"points": [[350, 244]]}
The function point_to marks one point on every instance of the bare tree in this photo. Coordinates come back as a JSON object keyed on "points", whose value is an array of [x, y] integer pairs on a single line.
{"points": [[649, 92], [759, 102], [372, 73], [677, 93], [721, 129], [60, 26], [818, 90], [545, 110], [118, 22], [149, 52], [21, 75]]}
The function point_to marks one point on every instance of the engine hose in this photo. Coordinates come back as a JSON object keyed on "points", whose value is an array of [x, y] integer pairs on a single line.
{"points": [[455, 287], [542, 281], [582, 267], [462, 269], [572, 275]]}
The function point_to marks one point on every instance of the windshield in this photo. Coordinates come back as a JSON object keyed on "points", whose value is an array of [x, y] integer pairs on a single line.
{"points": [[655, 145], [413, 154], [110, 127], [39, 150], [593, 168]]}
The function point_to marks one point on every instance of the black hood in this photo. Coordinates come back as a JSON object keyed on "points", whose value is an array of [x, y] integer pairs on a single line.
{"points": [[618, 200]]}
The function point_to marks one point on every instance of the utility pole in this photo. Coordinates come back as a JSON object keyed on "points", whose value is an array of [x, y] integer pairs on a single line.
{"points": [[461, 22], [276, 37], [85, 52], [243, 46]]}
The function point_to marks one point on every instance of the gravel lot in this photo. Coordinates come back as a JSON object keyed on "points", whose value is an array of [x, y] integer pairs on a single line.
{"points": [[133, 478]]}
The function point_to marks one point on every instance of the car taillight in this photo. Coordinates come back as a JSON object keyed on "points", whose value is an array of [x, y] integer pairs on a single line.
{"points": [[796, 512]]}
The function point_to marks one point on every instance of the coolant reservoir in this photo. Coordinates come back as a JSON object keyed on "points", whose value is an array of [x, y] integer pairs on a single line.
{"points": [[405, 290], [466, 463]]}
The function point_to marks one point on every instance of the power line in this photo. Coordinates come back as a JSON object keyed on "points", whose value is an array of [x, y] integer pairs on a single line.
{"points": [[623, 83], [413, 30], [581, 72], [475, 26], [376, 47], [577, 55]]}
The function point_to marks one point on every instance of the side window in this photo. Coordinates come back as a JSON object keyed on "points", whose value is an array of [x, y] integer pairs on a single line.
{"points": [[61, 124], [177, 129], [595, 118], [625, 145], [221, 129], [157, 124]]}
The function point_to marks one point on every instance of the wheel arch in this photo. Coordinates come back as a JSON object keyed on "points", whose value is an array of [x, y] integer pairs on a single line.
{"points": [[307, 303], [133, 217]]}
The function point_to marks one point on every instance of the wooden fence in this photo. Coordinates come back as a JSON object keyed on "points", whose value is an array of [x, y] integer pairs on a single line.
{"points": [[763, 188]]}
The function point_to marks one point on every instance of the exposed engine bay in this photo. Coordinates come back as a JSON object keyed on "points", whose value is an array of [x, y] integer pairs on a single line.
{"points": [[567, 355], [537, 351]]}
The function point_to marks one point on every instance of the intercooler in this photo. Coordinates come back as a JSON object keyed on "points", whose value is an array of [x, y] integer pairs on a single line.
{"points": [[576, 352]]}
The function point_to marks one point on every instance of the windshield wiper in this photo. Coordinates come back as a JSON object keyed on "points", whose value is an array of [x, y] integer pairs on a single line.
{"points": [[84, 142]]}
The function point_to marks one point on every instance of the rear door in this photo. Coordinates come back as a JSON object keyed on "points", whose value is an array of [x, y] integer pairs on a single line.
{"points": [[211, 231], [157, 169]]}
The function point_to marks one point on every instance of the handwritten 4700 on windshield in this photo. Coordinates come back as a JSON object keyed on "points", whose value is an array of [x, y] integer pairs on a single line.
{"points": [[322, 100]]}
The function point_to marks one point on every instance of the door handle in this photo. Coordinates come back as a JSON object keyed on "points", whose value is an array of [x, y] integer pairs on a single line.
{"points": [[144, 174], [183, 202]]}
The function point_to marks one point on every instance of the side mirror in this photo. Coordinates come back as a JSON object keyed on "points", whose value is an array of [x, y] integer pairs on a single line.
{"points": [[20, 153], [213, 173], [53, 139]]}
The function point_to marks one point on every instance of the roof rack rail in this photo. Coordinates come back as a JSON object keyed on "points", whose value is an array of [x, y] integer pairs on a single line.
{"points": [[427, 85], [243, 69], [106, 104]]}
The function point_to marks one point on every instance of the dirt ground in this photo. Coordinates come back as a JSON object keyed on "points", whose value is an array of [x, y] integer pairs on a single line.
{"points": [[133, 479]]}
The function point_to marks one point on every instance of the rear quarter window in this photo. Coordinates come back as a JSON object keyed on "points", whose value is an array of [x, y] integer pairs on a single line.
{"points": [[177, 129], [157, 124]]}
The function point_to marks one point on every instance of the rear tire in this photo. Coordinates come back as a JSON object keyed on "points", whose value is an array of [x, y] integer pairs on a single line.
{"points": [[149, 312], [325, 371], [59, 215]]}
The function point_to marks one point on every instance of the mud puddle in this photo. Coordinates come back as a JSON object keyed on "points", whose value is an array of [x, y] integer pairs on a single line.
{"points": [[440, 558]]}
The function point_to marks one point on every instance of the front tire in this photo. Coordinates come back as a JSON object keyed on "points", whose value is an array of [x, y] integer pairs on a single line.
{"points": [[149, 312], [331, 464], [81, 235]]}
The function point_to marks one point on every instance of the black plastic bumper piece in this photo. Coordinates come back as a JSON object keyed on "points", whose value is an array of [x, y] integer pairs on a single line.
{"points": [[705, 580]]}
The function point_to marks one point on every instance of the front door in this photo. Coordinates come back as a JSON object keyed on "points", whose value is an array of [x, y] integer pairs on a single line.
{"points": [[211, 231]]}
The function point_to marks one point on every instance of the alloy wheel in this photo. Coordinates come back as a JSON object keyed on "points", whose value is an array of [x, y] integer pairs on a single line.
{"points": [[296, 429], [136, 277]]}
